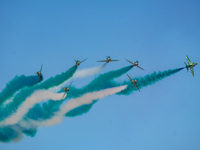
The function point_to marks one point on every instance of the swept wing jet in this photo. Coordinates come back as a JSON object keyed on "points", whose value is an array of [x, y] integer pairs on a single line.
{"points": [[108, 59], [39, 73], [79, 62], [190, 65], [133, 82], [135, 64], [66, 90]]}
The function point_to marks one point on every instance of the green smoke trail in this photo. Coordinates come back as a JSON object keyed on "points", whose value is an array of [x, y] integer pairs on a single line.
{"points": [[15, 132], [9, 133], [147, 80], [25, 92], [142, 82], [48, 109], [80, 110], [98, 83], [16, 84]]}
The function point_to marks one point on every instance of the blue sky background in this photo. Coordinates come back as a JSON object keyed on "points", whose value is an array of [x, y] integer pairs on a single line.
{"points": [[157, 34]]}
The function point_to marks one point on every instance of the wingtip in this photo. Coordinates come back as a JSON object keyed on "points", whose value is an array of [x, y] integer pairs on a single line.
{"points": [[127, 60]]}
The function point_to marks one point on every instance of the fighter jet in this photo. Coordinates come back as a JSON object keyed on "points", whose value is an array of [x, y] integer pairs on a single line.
{"points": [[190, 65], [78, 62], [135, 64], [66, 90], [108, 59], [133, 82], [39, 73]]}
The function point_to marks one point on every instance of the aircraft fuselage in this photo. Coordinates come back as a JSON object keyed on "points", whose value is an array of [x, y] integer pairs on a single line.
{"points": [[134, 82], [66, 89], [78, 63], [39, 74], [108, 60], [191, 66]]}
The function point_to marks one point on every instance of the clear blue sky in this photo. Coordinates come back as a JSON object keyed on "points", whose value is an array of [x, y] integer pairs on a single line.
{"points": [[157, 34]]}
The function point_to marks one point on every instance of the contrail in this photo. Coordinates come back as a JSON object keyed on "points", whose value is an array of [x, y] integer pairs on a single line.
{"points": [[27, 91], [46, 110], [99, 82], [149, 80], [79, 74], [58, 79], [142, 82], [35, 98], [88, 72], [76, 102], [10, 133], [15, 84], [90, 98], [53, 112]]}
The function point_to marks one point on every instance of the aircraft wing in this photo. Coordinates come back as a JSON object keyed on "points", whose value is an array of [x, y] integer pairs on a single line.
{"points": [[192, 71], [64, 96], [129, 77], [114, 60], [41, 69], [188, 60], [101, 61], [129, 61], [70, 84], [140, 67], [83, 60], [137, 87]]}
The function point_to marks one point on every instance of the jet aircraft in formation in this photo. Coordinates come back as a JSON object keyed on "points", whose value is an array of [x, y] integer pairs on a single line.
{"points": [[39, 73], [66, 90], [135, 64], [133, 82], [108, 59], [190, 65], [79, 62]]}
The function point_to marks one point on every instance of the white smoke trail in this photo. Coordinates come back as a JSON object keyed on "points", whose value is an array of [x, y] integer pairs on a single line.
{"points": [[74, 103], [41, 95], [88, 72], [8, 101], [30, 101], [79, 74]]}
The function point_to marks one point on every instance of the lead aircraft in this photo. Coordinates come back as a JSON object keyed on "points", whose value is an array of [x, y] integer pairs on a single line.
{"points": [[190, 65]]}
